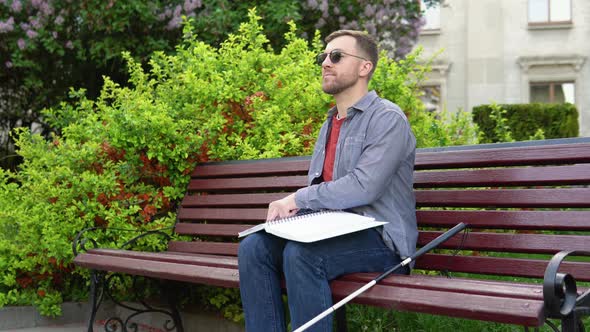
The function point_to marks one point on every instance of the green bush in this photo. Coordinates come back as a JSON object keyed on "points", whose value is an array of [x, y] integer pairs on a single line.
{"points": [[525, 120], [124, 159]]}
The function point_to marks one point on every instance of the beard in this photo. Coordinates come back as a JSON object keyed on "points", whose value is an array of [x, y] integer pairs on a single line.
{"points": [[338, 85]]}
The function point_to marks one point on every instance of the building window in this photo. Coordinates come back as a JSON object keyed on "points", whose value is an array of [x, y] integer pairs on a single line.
{"points": [[431, 97], [431, 15], [550, 11], [553, 92]]}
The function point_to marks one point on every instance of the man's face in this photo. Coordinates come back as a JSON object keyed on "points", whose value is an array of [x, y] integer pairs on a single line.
{"points": [[338, 77]]}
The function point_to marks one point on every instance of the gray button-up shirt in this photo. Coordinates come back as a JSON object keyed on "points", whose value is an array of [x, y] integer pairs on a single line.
{"points": [[373, 170]]}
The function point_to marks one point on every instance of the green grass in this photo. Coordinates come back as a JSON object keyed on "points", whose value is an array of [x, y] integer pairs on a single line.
{"points": [[372, 319]]}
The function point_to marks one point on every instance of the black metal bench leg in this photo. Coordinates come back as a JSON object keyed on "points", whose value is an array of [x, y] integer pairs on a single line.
{"points": [[96, 284], [572, 323], [340, 316], [171, 291]]}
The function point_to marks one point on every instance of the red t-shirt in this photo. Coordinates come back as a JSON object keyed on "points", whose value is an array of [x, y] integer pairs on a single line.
{"points": [[328, 171]]}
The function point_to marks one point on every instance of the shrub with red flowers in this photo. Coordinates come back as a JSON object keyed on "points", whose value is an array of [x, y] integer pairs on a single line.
{"points": [[122, 160]]}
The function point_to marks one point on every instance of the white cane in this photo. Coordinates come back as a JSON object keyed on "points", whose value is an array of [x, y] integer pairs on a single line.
{"points": [[431, 245]]}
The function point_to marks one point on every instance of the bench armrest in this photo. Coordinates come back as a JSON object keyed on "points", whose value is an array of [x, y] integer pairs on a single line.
{"points": [[81, 240], [560, 293]]}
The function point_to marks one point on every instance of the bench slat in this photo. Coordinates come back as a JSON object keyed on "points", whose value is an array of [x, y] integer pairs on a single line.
{"points": [[215, 276], [524, 220], [509, 242], [204, 247], [248, 184], [252, 168], [230, 230], [490, 308], [457, 285], [519, 267], [258, 215], [233, 200], [526, 155], [529, 198], [519, 176], [171, 257]]}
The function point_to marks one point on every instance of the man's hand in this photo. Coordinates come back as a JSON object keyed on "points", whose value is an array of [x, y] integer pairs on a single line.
{"points": [[282, 208]]}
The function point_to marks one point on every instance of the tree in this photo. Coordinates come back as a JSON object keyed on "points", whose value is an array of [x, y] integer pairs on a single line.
{"points": [[49, 46]]}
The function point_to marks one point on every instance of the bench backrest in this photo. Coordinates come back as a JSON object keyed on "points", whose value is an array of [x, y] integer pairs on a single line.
{"points": [[523, 203]]}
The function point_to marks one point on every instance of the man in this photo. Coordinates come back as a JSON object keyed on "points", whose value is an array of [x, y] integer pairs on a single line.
{"points": [[363, 162]]}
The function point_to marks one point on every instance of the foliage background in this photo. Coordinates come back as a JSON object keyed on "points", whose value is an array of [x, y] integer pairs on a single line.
{"points": [[122, 159], [48, 46], [524, 120]]}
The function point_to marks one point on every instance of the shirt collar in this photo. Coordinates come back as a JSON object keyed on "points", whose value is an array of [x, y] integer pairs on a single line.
{"points": [[361, 105]]}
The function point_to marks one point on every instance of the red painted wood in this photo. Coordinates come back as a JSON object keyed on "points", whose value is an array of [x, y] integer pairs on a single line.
{"points": [[197, 247], [215, 276], [524, 220], [529, 198], [210, 229], [222, 214], [253, 168], [247, 184], [170, 257], [456, 285], [519, 267], [234, 200], [509, 242], [489, 308], [526, 155], [519, 176]]}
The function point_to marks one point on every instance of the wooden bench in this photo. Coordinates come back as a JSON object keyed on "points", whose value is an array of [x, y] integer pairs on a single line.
{"points": [[523, 202]]}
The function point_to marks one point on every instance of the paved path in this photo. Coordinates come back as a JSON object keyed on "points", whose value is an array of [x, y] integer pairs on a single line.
{"points": [[56, 328]]}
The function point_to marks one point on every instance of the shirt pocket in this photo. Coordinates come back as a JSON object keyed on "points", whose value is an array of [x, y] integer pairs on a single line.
{"points": [[351, 152]]}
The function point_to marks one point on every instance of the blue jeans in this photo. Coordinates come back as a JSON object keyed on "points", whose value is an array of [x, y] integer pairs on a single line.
{"points": [[307, 268]]}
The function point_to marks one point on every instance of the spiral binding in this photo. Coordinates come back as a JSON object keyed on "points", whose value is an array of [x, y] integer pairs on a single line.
{"points": [[301, 217]]}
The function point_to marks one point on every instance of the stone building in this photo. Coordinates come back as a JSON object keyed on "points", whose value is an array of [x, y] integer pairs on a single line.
{"points": [[509, 51]]}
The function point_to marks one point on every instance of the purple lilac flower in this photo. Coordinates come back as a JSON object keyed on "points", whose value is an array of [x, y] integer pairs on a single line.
{"points": [[174, 23], [36, 3], [8, 64], [35, 22], [191, 5], [21, 43], [16, 6], [7, 26], [46, 8], [369, 11], [324, 7], [69, 44], [31, 34], [59, 20], [54, 34]]}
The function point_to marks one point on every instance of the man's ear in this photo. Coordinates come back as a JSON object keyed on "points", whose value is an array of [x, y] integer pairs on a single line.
{"points": [[365, 68]]}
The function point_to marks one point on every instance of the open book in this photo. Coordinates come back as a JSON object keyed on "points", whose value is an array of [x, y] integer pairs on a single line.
{"points": [[315, 226]]}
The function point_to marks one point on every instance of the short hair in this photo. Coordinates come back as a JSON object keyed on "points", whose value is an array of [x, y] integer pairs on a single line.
{"points": [[364, 42]]}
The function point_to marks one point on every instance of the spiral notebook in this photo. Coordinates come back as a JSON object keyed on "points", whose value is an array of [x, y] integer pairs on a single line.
{"points": [[315, 226]]}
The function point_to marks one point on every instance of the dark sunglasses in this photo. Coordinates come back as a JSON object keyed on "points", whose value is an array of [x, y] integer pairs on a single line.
{"points": [[335, 57]]}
